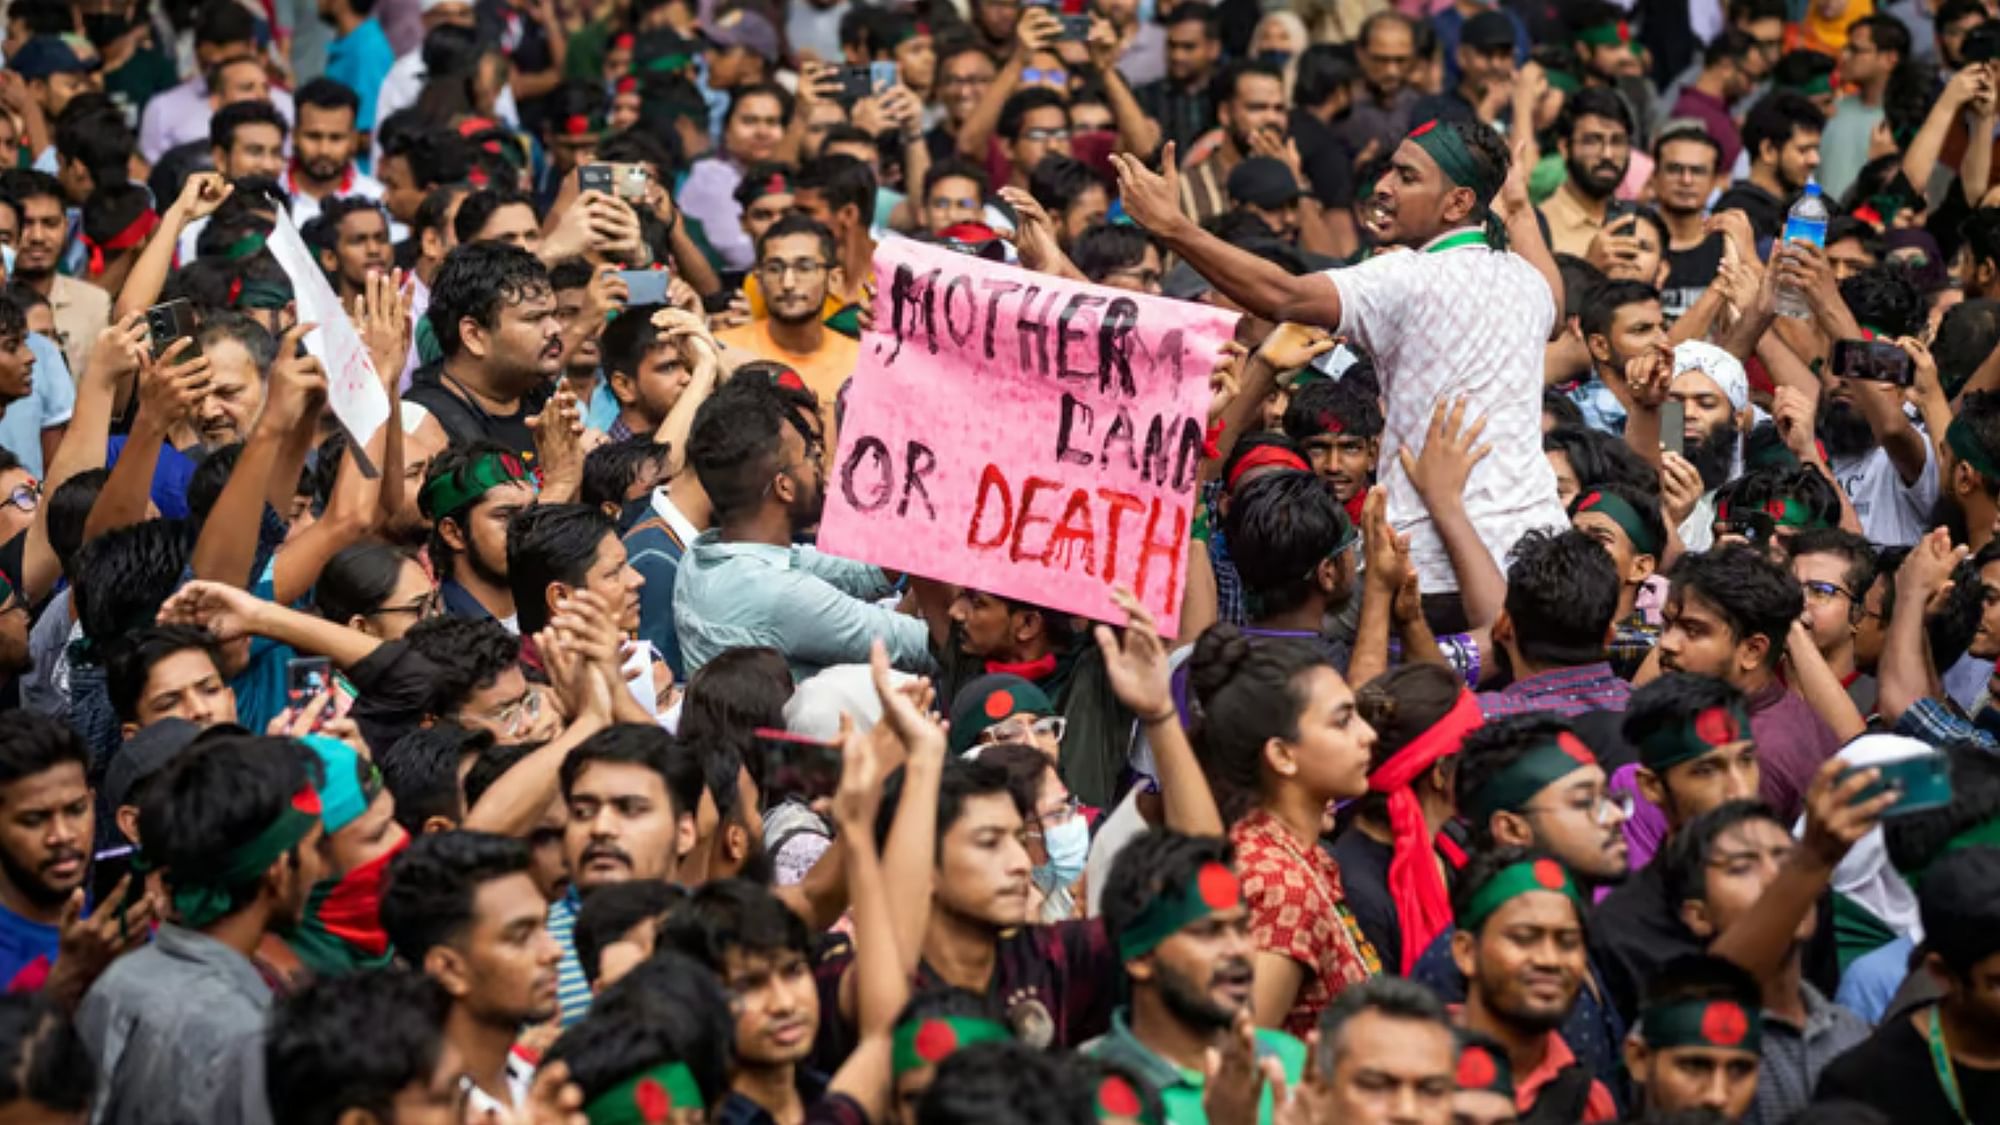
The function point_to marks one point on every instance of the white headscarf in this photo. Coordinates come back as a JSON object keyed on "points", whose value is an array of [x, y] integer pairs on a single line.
{"points": [[1865, 876]]}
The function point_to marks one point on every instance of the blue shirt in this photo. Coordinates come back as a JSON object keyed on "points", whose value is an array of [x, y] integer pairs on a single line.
{"points": [[1872, 979], [171, 474], [572, 988], [51, 404], [359, 61], [260, 688], [27, 952]]}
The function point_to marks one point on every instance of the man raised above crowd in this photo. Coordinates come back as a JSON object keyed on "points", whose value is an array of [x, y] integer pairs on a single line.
{"points": [[1449, 193]]}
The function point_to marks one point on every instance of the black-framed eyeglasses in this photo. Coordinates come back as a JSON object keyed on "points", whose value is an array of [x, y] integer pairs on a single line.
{"points": [[1823, 592], [26, 497], [424, 607]]}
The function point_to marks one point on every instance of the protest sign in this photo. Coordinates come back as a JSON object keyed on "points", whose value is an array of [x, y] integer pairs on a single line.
{"points": [[1024, 435], [353, 390]]}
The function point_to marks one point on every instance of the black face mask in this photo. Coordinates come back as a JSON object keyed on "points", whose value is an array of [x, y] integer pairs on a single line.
{"points": [[104, 28]]}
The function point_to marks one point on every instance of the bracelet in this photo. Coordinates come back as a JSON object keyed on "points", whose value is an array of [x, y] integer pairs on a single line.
{"points": [[1170, 713]]}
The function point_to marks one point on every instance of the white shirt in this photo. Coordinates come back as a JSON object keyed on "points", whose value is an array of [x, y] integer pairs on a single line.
{"points": [[1470, 322], [404, 84], [305, 207], [520, 1078], [1892, 514], [181, 115]]}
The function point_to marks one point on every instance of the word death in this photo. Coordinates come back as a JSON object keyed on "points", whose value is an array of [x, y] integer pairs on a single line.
{"points": [[1024, 435]]}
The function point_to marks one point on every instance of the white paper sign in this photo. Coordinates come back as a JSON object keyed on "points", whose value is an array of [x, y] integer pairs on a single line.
{"points": [[353, 389]]}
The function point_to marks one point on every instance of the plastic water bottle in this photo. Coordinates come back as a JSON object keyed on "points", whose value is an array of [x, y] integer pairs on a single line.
{"points": [[1806, 222]]}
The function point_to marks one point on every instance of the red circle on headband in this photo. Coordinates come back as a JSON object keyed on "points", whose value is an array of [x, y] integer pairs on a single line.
{"points": [[1000, 704], [936, 1040], [1716, 726], [1549, 874], [653, 1100], [1724, 1024], [1218, 887], [1115, 1096], [1475, 1069]]}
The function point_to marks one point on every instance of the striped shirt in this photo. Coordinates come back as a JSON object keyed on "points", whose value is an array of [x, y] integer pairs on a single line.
{"points": [[1559, 691], [572, 989]]}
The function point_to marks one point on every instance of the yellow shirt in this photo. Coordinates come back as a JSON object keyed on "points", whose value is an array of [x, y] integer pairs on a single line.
{"points": [[824, 371], [1571, 227]]}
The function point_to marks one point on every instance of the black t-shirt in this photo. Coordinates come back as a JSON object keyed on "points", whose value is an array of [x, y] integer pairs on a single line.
{"points": [[1327, 159], [1364, 877], [1766, 211], [1633, 932], [1689, 273], [1892, 1071], [464, 421]]}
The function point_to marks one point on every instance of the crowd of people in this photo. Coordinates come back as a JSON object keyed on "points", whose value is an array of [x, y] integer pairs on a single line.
{"points": [[1580, 705]]}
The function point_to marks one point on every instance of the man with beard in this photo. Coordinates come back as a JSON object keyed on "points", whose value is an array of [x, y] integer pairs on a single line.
{"points": [[1519, 943], [470, 493], [798, 264], [350, 238], [1714, 393], [1881, 460], [1595, 139], [323, 148], [1729, 614], [1781, 138], [1252, 113], [461, 907], [81, 309], [1179, 102], [1969, 473], [1697, 1043], [1173, 907], [762, 462], [1620, 321], [495, 319], [1387, 52], [1338, 422]]}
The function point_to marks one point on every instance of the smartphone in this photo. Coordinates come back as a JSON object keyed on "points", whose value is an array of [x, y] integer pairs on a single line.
{"points": [[1981, 44], [644, 287], [881, 76], [594, 177], [1075, 29], [630, 181], [168, 322], [1673, 427], [1920, 782], [109, 866], [856, 82], [797, 765], [307, 677], [1874, 361]]}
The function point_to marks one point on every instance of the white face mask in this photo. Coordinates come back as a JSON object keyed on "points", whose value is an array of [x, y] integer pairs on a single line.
{"points": [[7, 259], [1068, 845]]}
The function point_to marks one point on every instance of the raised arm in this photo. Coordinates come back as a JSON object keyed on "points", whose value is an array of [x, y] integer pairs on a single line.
{"points": [[114, 356], [881, 980], [1920, 159], [1136, 131], [229, 613], [228, 543], [690, 334], [1136, 664], [1451, 449], [168, 394], [200, 196], [1906, 672]]}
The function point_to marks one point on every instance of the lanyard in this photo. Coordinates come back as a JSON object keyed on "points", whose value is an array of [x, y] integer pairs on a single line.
{"points": [[1453, 242], [1941, 1062]]}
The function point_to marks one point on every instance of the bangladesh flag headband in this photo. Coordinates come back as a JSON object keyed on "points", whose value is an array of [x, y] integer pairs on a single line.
{"points": [[1116, 1100], [461, 488], [1702, 1023], [1446, 146], [1617, 34], [1543, 765], [928, 1042], [1965, 444], [204, 895], [1620, 511], [1213, 888], [647, 1098], [1480, 1068], [1513, 881], [1670, 744]]}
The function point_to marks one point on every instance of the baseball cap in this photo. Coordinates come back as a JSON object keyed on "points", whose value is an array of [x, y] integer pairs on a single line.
{"points": [[745, 28], [146, 753], [1182, 283], [1487, 30], [1263, 181], [54, 54]]}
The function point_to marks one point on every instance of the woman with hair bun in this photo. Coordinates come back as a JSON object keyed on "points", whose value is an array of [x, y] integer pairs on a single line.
{"points": [[1277, 733]]}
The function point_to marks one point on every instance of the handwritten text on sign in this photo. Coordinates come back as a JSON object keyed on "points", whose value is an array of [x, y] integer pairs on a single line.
{"points": [[1022, 434]]}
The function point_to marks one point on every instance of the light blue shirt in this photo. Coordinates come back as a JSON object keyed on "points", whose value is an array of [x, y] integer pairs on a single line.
{"points": [[1872, 979], [360, 60], [814, 609], [51, 403], [1601, 409]]}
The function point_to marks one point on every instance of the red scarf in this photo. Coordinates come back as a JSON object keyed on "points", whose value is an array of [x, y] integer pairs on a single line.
{"points": [[1030, 670], [135, 232], [1423, 907], [352, 912]]}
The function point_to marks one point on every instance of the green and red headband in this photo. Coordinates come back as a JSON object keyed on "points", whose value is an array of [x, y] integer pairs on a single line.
{"points": [[1117, 1099], [1669, 744], [461, 488], [1542, 766], [133, 234], [927, 1042], [582, 125], [1213, 888], [1620, 511], [1964, 444], [1816, 86], [1615, 34], [1985, 834], [1702, 1023], [1787, 512], [647, 1098], [1482, 1068], [206, 894], [1447, 146], [1513, 881]]}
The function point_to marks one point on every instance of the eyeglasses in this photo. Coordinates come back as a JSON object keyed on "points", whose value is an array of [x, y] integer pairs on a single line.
{"points": [[1056, 817], [1686, 171], [1602, 806], [424, 607], [1050, 727], [1821, 593], [807, 269], [520, 714], [26, 497]]}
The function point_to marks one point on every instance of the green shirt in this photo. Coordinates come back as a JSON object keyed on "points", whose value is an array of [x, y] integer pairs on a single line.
{"points": [[1180, 1089]]}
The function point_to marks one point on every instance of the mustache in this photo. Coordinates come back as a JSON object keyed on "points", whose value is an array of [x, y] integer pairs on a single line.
{"points": [[61, 856], [604, 851]]}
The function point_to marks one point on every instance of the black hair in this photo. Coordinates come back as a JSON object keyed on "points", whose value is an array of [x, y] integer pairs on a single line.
{"points": [[1153, 863], [1594, 101], [961, 780], [435, 156], [1599, 459], [436, 205], [1687, 852], [1732, 44], [1257, 440], [1482, 866], [610, 470], [1106, 248], [734, 916], [956, 167], [1058, 181], [1020, 103], [357, 580], [432, 889], [1644, 501], [1601, 303], [1698, 976], [1332, 406], [549, 544], [326, 93], [760, 89], [32, 744], [18, 185], [1776, 117], [1853, 549], [1915, 839], [1969, 332], [1888, 33], [574, 98], [1959, 902], [1005, 1083], [1562, 594], [42, 1058], [1692, 132], [612, 909], [493, 761], [634, 147], [480, 206], [124, 575], [844, 180], [219, 22], [1393, 997], [421, 773], [668, 1008], [1321, 71], [1579, 277], [475, 280], [95, 135], [736, 440], [227, 120], [795, 223], [1280, 527], [1489, 751], [69, 511], [1884, 299], [217, 797], [1981, 231], [639, 744], [1753, 594], [1250, 690], [353, 1042], [759, 175], [469, 654], [128, 664], [1223, 87]]}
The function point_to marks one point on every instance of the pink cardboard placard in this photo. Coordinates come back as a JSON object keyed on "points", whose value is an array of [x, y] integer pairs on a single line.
{"points": [[1024, 435]]}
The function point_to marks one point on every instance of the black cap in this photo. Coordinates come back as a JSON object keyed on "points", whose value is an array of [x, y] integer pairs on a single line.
{"points": [[1263, 181], [1488, 30], [145, 754]]}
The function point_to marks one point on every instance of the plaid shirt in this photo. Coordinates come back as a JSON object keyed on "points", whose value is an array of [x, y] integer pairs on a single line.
{"points": [[1939, 723], [1561, 691]]}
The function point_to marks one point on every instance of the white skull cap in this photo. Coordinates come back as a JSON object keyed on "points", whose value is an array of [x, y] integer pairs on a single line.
{"points": [[1719, 365]]}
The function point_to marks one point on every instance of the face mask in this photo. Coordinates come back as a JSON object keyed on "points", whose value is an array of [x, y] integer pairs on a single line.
{"points": [[1068, 845], [7, 260]]}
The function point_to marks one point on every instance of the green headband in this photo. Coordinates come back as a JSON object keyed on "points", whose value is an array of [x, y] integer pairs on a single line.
{"points": [[1446, 146], [666, 64], [1563, 80], [1702, 1023], [203, 896], [928, 1042], [1815, 86], [1985, 834], [1791, 512], [1670, 744], [1618, 34], [1212, 888], [461, 488], [1542, 766], [1513, 881], [263, 295], [647, 1098], [1965, 444], [1621, 512], [244, 247]]}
